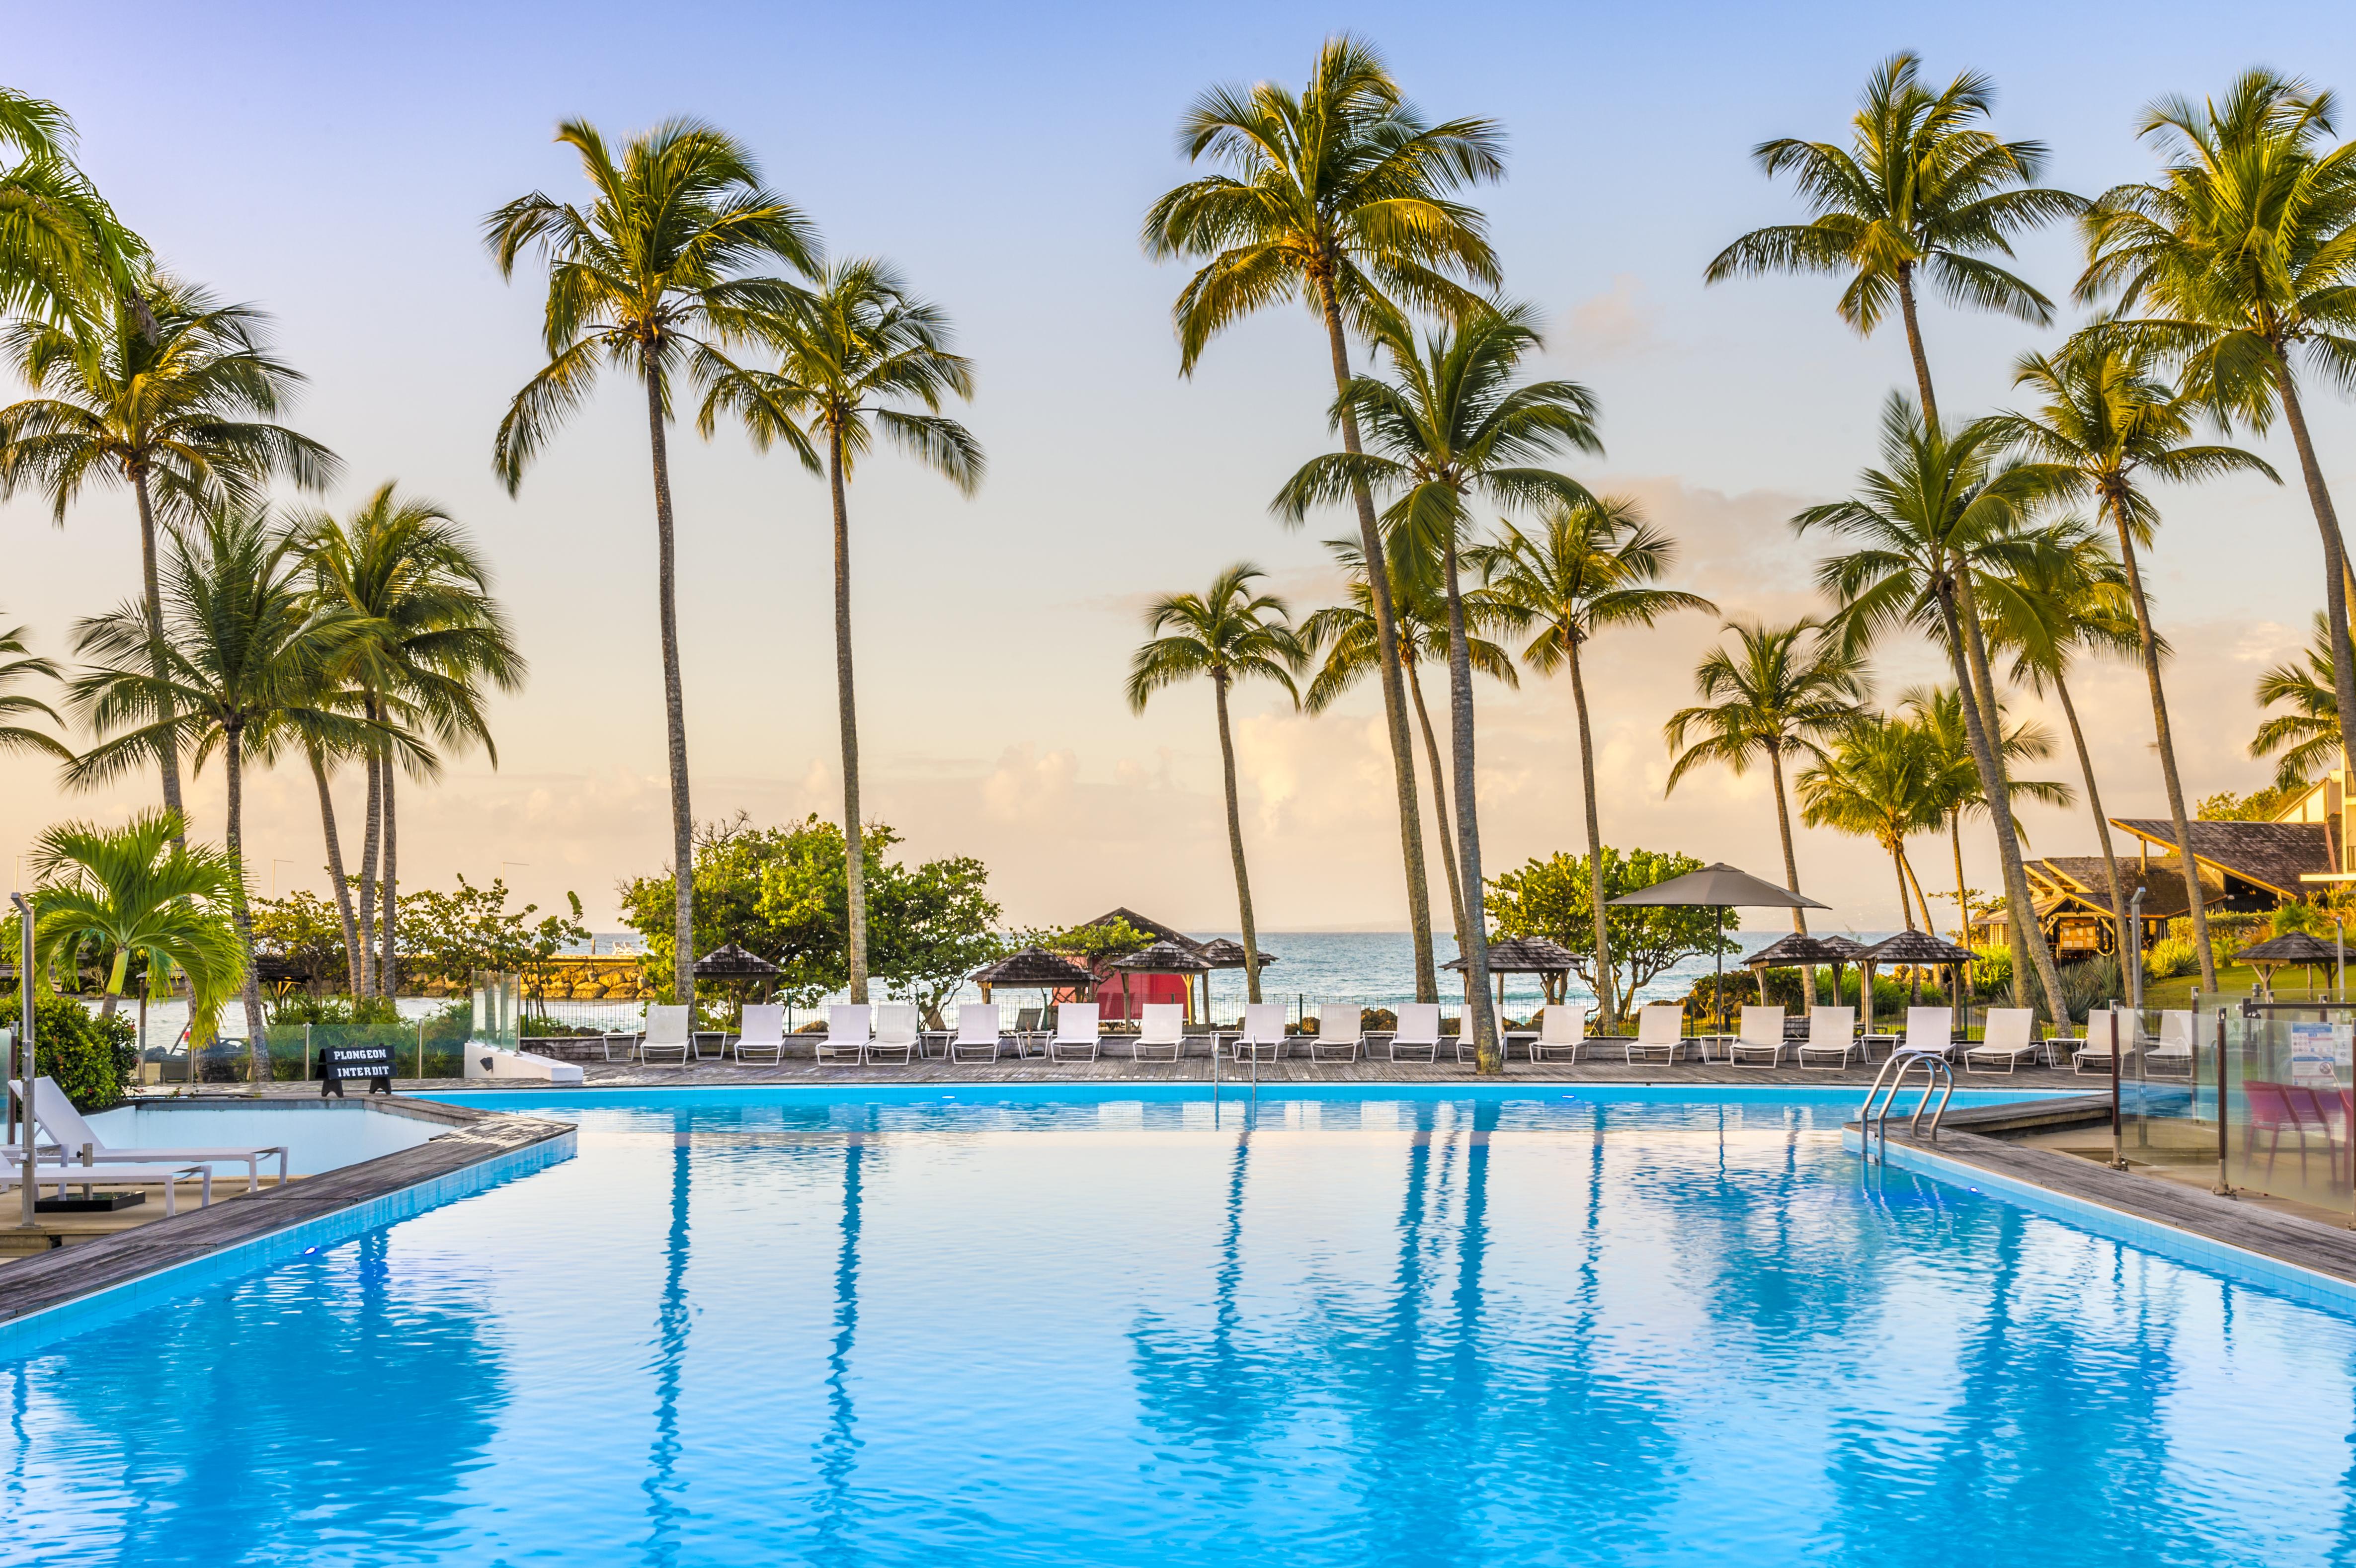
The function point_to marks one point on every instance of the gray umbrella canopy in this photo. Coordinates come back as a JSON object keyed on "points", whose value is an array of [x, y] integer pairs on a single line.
{"points": [[1720, 886]]}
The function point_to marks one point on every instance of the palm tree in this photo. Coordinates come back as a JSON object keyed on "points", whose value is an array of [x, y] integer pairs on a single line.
{"points": [[173, 399], [1955, 787], [1451, 426], [423, 635], [1341, 198], [633, 278], [1927, 527], [141, 890], [1781, 693], [62, 249], [1876, 783], [2067, 598], [17, 705], [2105, 417], [2241, 255], [1348, 634], [849, 357], [1921, 188], [1229, 634], [1592, 565], [244, 650], [2308, 735]]}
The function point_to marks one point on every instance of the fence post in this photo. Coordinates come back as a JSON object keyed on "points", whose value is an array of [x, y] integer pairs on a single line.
{"points": [[421, 1048], [306, 1052]]}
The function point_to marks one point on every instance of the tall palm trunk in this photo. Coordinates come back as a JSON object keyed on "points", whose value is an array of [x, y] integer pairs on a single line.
{"points": [[1783, 828], [388, 964], [353, 958], [1914, 346], [1606, 1005], [2102, 829], [2335, 568], [1440, 805], [1478, 1019], [257, 1043], [1980, 694], [1386, 650], [1905, 905], [1963, 909], [371, 843], [1906, 864], [682, 814], [853, 833], [1235, 840], [1964, 651], [2149, 643], [170, 760]]}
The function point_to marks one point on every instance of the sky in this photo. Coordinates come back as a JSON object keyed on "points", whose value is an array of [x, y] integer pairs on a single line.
{"points": [[333, 166]]}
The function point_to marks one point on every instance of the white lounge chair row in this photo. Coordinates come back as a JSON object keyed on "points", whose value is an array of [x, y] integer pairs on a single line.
{"points": [[69, 1152]]}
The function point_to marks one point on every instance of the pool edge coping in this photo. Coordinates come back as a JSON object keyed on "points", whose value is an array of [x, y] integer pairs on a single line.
{"points": [[69, 1290]]}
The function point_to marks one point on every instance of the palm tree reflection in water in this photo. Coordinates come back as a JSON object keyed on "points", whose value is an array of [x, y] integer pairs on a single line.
{"points": [[664, 1489]]}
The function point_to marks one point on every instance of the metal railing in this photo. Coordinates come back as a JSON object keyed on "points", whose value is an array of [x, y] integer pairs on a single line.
{"points": [[1936, 1075]]}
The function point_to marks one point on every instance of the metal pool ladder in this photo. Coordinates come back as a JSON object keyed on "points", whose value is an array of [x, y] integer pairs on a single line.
{"points": [[1936, 1075]]}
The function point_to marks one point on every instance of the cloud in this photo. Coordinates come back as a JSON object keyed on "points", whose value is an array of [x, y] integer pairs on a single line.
{"points": [[1621, 322]]}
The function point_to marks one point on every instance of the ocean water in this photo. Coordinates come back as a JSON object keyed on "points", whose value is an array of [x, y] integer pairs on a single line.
{"points": [[1004, 1329]]}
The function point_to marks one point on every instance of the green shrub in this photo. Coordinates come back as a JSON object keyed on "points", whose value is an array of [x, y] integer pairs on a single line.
{"points": [[2168, 957], [93, 1059]]}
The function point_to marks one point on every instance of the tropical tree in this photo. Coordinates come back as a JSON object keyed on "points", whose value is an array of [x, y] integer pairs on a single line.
{"points": [[168, 392], [2239, 265], [422, 638], [1780, 694], [1340, 196], [1453, 425], [2106, 418], [140, 892], [1230, 633], [245, 648], [15, 705], [1922, 192], [1941, 516], [635, 279], [1589, 566], [1955, 784], [852, 361], [2307, 735], [1875, 783], [62, 250], [1349, 638], [2068, 598]]}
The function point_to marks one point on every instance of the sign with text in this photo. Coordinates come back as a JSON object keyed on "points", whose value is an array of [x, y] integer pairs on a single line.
{"points": [[339, 1064], [2319, 1053]]}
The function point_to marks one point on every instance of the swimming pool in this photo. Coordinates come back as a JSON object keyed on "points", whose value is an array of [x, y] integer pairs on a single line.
{"points": [[1065, 1327]]}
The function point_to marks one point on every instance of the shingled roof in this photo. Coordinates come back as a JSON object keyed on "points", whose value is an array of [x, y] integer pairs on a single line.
{"points": [[2080, 878], [2270, 854]]}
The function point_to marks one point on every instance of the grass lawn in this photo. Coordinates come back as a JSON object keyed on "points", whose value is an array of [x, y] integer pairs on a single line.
{"points": [[2234, 981]]}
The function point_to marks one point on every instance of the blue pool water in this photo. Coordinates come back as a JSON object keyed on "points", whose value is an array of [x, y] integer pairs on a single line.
{"points": [[785, 1327]]}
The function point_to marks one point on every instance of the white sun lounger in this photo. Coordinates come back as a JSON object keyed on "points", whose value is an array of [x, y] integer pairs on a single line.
{"points": [[895, 1029], [78, 1143], [86, 1176], [847, 1034], [1262, 1036], [1417, 1029], [1161, 1027], [1561, 1027], [1761, 1033], [1832, 1032], [761, 1030], [1659, 1027], [666, 1030], [1929, 1031], [1077, 1037], [2172, 1053], [2011, 1040], [2094, 1051], [977, 1033], [1338, 1028]]}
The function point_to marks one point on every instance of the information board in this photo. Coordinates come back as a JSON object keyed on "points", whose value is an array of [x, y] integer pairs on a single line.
{"points": [[339, 1064]]}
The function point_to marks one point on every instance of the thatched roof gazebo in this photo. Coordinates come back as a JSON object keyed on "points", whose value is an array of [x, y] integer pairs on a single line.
{"points": [[1917, 950], [1164, 957], [732, 964], [1223, 954], [1802, 950], [1034, 968], [2291, 948], [1524, 956]]}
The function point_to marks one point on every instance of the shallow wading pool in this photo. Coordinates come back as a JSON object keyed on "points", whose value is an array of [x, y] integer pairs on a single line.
{"points": [[1060, 1326]]}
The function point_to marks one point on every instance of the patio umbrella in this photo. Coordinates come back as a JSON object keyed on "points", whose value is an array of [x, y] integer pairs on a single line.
{"points": [[1522, 955], [1164, 957], [1720, 886]]}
